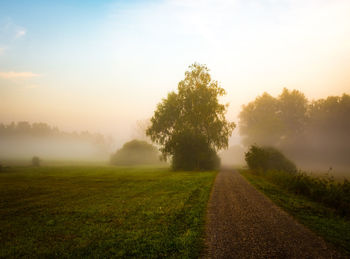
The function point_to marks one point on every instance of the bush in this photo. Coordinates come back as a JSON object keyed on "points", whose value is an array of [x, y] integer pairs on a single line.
{"points": [[136, 152], [321, 189], [192, 152], [36, 161], [268, 158], [279, 170]]}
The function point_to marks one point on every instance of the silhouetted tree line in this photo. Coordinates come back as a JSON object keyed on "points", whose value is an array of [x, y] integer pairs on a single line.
{"points": [[40, 129], [310, 132]]}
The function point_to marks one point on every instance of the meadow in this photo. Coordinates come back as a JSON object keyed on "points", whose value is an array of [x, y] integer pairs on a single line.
{"points": [[320, 203], [102, 211]]}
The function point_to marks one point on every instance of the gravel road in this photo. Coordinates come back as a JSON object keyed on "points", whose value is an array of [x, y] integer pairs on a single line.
{"points": [[243, 223]]}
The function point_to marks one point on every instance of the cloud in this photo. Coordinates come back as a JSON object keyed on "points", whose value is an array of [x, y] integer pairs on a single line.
{"points": [[12, 74], [20, 33], [9, 30], [296, 42]]}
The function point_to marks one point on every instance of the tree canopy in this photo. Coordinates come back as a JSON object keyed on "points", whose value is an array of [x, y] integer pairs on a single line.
{"points": [[313, 133], [190, 124], [270, 121]]}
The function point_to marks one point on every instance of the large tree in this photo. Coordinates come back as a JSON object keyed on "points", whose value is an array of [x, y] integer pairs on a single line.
{"points": [[190, 124], [315, 134], [260, 121], [274, 121]]}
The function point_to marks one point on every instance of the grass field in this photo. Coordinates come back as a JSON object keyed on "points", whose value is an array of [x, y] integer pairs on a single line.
{"points": [[322, 220], [102, 212]]}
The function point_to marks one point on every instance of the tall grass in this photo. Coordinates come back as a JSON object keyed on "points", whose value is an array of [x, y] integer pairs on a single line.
{"points": [[333, 194]]}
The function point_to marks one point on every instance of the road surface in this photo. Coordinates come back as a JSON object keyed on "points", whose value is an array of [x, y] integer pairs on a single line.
{"points": [[243, 223]]}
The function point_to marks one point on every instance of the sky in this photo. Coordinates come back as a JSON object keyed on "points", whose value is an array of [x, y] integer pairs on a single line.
{"points": [[104, 65]]}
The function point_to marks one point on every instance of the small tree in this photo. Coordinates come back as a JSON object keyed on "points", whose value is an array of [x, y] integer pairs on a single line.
{"points": [[190, 125], [36, 161]]}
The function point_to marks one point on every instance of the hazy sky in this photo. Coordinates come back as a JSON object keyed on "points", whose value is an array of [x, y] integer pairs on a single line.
{"points": [[103, 65]]}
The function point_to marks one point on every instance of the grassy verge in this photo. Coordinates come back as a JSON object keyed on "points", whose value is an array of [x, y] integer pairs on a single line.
{"points": [[102, 212], [323, 220]]}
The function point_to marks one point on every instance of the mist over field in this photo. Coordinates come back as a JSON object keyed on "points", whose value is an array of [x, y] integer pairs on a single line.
{"points": [[49, 148], [22, 141], [175, 129], [104, 69], [313, 133]]}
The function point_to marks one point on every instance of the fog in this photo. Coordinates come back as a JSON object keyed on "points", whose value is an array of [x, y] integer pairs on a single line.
{"points": [[312, 133], [107, 64], [233, 156], [50, 148], [23, 140], [321, 152]]}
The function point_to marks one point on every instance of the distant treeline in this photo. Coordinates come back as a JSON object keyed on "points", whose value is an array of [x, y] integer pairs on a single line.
{"points": [[40, 129], [315, 134], [24, 139]]}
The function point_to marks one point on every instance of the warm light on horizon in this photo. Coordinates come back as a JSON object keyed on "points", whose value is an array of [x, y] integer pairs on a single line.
{"points": [[107, 64]]}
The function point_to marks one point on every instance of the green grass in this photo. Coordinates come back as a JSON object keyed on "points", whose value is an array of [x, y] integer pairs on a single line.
{"points": [[321, 219], [102, 212]]}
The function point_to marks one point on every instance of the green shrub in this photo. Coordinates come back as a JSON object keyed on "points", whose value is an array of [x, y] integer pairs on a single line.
{"points": [[268, 158], [136, 152], [35, 161], [324, 189], [279, 170]]}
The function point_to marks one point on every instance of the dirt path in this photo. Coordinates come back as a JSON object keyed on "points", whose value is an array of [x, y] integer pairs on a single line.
{"points": [[243, 223]]}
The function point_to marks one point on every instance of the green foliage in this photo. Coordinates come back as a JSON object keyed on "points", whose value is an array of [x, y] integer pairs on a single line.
{"points": [[192, 152], [35, 161], [136, 152], [322, 219], [271, 121], [326, 190], [260, 121], [312, 133], [293, 108], [328, 130], [268, 158], [190, 125], [102, 212]]}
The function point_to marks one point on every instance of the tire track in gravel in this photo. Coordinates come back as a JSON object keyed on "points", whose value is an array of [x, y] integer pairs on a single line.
{"points": [[243, 223]]}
